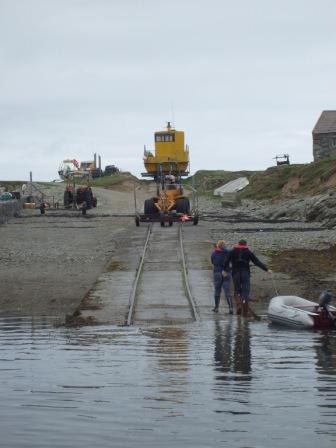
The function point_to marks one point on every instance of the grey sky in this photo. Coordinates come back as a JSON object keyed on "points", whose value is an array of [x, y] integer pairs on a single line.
{"points": [[245, 80]]}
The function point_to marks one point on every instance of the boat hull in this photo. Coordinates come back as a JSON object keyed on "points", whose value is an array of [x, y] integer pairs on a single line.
{"points": [[296, 312]]}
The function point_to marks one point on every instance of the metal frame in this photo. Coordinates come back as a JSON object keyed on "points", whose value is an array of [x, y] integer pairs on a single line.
{"points": [[170, 216]]}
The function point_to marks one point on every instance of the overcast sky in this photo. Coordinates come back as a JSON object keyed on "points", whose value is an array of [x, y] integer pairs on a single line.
{"points": [[245, 80]]}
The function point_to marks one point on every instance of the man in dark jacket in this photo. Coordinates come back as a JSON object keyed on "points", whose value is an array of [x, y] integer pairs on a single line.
{"points": [[218, 259], [240, 257]]}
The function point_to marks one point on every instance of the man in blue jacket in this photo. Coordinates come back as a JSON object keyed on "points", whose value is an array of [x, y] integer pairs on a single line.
{"points": [[218, 259], [239, 258]]}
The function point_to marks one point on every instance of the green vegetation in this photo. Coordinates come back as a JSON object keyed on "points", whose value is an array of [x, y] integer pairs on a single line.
{"points": [[113, 179], [275, 182], [292, 180]]}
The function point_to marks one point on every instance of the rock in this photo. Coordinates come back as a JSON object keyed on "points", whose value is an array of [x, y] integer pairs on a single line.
{"points": [[232, 187], [322, 209], [230, 200]]}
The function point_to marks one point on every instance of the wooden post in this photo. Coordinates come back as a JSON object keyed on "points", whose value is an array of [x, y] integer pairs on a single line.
{"points": [[30, 183]]}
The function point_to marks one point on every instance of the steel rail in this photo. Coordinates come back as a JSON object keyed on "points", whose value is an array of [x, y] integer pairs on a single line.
{"points": [[132, 301], [137, 278], [185, 277]]}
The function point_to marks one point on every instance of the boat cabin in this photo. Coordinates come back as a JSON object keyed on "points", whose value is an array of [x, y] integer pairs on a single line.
{"points": [[171, 155]]}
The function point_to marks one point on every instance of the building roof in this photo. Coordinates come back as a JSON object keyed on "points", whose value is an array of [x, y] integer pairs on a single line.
{"points": [[326, 123]]}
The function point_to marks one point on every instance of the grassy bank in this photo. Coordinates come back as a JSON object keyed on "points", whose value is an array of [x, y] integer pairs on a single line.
{"points": [[113, 180], [292, 180], [275, 182]]}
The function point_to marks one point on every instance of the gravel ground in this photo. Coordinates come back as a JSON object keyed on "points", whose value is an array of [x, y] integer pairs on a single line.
{"points": [[49, 262]]}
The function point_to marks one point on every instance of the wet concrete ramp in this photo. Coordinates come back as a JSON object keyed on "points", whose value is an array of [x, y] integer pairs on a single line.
{"points": [[161, 297], [161, 294]]}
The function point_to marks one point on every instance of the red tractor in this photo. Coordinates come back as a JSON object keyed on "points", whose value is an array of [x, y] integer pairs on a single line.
{"points": [[79, 197]]}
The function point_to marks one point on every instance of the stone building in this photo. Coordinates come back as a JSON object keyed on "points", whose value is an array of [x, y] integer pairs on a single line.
{"points": [[324, 136]]}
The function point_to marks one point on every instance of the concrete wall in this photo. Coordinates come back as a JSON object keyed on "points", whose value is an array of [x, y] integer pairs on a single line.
{"points": [[324, 145], [9, 209]]}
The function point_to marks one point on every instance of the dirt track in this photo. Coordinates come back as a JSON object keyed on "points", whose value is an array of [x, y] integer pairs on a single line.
{"points": [[48, 264]]}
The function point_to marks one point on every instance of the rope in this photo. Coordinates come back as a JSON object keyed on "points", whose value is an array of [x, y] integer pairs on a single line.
{"points": [[274, 286]]}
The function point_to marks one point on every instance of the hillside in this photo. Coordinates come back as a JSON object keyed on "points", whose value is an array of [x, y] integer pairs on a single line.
{"points": [[288, 181], [278, 182], [121, 181]]}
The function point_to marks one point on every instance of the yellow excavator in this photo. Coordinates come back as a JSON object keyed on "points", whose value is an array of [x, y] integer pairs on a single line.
{"points": [[166, 167]]}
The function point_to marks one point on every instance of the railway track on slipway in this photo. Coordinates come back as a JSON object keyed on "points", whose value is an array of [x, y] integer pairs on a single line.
{"points": [[161, 291]]}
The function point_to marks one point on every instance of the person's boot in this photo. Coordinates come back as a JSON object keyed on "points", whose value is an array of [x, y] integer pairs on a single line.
{"points": [[238, 304], [215, 309], [245, 308], [229, 301]]}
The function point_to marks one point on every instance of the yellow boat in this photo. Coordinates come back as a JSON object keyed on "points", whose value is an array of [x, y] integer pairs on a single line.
{"points": [[171, 155], [167, 166]]}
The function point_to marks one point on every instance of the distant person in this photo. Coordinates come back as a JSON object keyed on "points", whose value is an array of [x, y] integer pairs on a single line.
{"points": [[222, 280], [42, 208], [239, 258]]}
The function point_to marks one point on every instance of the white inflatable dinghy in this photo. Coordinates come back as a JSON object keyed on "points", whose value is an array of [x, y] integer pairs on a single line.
{"points": [[297, 312]]}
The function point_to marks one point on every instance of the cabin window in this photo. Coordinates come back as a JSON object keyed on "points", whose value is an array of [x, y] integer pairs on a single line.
{"points": [[165, 137]]}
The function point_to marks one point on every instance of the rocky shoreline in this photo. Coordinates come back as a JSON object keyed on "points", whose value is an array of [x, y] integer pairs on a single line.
{"points": [[298, 248], [319, 208]]}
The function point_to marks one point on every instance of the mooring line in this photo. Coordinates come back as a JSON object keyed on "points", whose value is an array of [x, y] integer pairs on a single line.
{"points": [[136, 281], [185, 277]]}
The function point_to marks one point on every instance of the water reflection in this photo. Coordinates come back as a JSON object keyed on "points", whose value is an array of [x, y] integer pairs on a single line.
{"points": [[169, 349], [233, 349], [326, 353], [325, 347], [170, 344], [203, 385]]}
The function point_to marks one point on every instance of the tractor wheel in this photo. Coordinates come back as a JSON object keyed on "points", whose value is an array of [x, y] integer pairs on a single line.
{"points": [[94, 202], [149, 207], [67, 200], [183, 205], [88, 199], [80, 196]]}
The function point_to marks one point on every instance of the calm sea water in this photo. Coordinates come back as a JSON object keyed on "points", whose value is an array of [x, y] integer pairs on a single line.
{"points": [[217, 383]]}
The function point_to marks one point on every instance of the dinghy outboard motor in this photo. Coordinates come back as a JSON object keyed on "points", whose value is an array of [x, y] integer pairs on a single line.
{"points": [[325, 299]]}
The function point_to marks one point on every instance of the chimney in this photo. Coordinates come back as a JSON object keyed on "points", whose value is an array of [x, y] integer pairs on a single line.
{"points": [[99, 162], [95, 160]]}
